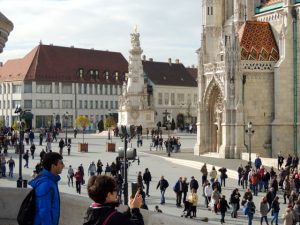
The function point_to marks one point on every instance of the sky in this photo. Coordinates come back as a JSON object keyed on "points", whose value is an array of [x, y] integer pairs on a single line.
{"points": [[168, 28]]}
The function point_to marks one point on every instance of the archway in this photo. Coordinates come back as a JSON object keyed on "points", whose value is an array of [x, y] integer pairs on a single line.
{"points": [[214, 118], [180, 121]]}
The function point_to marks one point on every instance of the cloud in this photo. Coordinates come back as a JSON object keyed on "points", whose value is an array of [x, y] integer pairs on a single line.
{"points": [[168, 28]]}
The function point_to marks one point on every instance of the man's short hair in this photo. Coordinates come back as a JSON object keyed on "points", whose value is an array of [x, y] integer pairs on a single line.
{"points": [[99, 186], [50, 159]]}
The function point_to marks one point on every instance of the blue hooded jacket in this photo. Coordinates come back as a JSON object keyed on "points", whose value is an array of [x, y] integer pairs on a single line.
{"points": [[47, 209]]}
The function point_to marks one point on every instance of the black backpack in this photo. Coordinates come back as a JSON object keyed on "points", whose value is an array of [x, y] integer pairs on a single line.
{"points": [[27, 210]]}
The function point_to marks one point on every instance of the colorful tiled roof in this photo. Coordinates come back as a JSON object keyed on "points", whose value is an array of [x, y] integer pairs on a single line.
{"points": [[56, 63], [257, 42]]}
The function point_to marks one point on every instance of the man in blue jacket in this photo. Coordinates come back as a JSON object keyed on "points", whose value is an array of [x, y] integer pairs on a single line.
{"points": [[47, 209]]}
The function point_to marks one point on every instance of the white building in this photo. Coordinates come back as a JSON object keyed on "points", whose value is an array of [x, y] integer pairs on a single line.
{"points": [[54, 81]]}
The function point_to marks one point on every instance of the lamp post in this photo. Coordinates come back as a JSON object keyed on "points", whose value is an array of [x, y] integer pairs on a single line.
{"points": [[66, 125], [250, 132], [108, 129], [19, 111], [126, 133], [169, 139]]}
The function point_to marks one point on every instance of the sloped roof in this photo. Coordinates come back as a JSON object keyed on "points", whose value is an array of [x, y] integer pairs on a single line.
{"points": [[55, 63], [257, 42], [171, 74]]}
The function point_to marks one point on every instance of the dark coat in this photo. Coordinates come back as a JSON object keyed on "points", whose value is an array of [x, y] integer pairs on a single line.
{"points": [[96, 215], [223, 205]]}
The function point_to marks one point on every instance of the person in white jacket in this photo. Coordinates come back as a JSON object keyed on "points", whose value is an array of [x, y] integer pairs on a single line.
{"points": [[207, 192], [92, 169]]}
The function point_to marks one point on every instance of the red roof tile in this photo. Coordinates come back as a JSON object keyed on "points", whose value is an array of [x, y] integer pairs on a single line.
{"points": [[258, 42], [55, 63]]}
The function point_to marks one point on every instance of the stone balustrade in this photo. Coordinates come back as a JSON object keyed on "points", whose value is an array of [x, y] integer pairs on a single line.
{"points": [[73, 209]]}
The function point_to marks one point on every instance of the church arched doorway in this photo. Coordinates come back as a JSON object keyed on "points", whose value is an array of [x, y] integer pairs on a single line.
{"points": [[214, 120], [180, 121]]}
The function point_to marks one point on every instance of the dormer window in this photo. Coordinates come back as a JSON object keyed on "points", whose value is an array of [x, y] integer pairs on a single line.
{"points": [[126, 76], [97, 74], [80, 73], [92, 74], [106, 75], [117, 76]]}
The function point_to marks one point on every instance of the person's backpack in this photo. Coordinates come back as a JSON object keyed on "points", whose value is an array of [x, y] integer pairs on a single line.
{"points": [[27, 210]]}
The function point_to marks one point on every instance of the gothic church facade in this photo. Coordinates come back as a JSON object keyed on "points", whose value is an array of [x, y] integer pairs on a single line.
{"points": [[249, 72]]}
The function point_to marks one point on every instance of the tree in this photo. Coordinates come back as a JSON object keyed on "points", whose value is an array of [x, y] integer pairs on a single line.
{"points": [[83, 122], [109, 122], [173, 125], [100, 126]]}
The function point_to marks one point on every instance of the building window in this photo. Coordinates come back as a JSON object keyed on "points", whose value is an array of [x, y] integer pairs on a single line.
{"points": [[44, 104], [96, 104], [91, 104], [160, 98], [92, 74], [4, 89], [211, 10], [126, 76], [100, 93], [56, 104], [111, 89], [66, 88], [106, 104], [80, 73], [91, 89], [8, 89], [28, 87], [44, 88], [101, 104], [16, 103], [207, 10], [28, 104], [97, 74], [106, 75], [111, 104], [4, 104], [85, 104], [16, 89], [116, 76], [166, 98], [84, 88], [116, 104], [195, 99], [105, 89], [96, 89], [80, 88], [180, 99], [56, 88], [172, 98], [189, 99], [80, 104], [67, 104]]}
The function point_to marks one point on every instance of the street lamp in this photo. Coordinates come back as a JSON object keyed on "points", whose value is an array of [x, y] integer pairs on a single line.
{"points": [[108, 133], [250, 132], [66, 125], [19, 111], [126, 134]]}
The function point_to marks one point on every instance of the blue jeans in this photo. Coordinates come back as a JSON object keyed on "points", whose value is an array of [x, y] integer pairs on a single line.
{"points": [[250, 218], [162, 198], [275, 217]]}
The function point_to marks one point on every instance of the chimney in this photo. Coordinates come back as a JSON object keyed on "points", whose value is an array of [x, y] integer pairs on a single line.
{"points": [[144, 57], [170, 61], [151, 59], [177, 61]]}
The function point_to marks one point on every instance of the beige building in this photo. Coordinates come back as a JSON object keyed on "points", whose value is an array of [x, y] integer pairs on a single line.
{"points": [[251, 75]]}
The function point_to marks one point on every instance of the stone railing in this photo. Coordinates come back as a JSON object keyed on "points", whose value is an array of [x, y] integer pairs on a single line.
{"points": [[73, 209]]}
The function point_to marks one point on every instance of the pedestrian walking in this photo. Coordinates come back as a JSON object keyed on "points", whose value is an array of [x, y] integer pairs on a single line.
{"points": [[26, 158], [235, 202], [275, 210], [61, 145], [223, 175], [240, 171], [193, 200], [185, 189], [42, 155], [78, 180], [11, 166], [75, 132], [92, 169], [223, 206], [69, 148], [41, 136], [257, 162], [204, 172], [213, 174], [32, 150], [194, 183], [288, 217], [207, 192], [280, 160], [264, 209], [70, 175], [99, 167], [249, 210], [147, 179], [102, 190], [31, 137], [81, 171], [178, 191], [163, 184], [47, 202]]}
